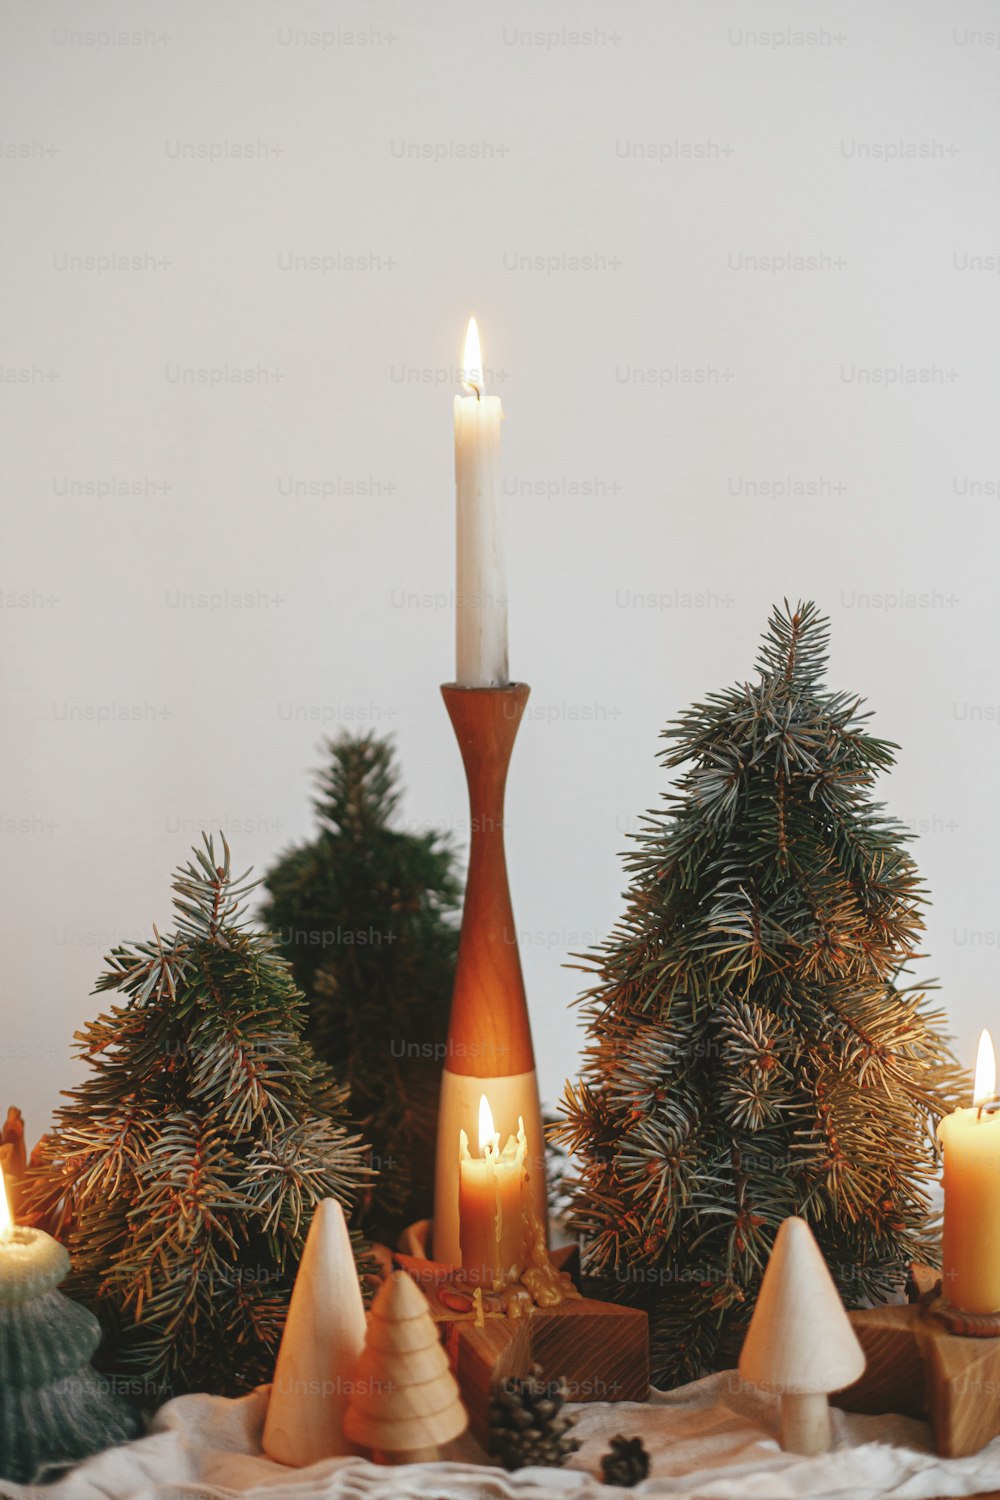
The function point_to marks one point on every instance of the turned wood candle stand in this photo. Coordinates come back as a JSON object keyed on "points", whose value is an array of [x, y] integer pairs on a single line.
{"points": [[489, 1049], [930, 1361], [599, 1349]]}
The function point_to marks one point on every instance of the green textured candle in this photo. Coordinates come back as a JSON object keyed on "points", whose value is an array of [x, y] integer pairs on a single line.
{"points": [[54, 1407], [31, 1262]]}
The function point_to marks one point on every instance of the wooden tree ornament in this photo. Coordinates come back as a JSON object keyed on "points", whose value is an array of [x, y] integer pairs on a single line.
{"points": [[800, 1342], [321, 1345], [405, 1402]]}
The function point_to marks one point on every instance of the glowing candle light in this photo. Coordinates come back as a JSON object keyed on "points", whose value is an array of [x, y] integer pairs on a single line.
{"points": [[491, 1226], [29, 1258], [480, 581], [6, 1217]]}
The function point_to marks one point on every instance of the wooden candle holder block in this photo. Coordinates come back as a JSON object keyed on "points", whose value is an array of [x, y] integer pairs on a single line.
{"points": [[915, 1366], [601, 1350]]}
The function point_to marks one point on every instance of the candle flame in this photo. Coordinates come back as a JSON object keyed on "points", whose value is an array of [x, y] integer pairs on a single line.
{"points": [[986, 1071], [6, 1218], [472, 361], [487, 1134]]}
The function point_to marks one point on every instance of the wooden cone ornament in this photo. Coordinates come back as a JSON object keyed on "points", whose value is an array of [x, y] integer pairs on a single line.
{"points": [[800, 1343], [405, 1402], [320, 1347]]}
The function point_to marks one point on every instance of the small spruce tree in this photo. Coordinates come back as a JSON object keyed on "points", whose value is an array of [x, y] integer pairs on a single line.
{"points": [[751, 1050], [364, 913], [186, 1165]]}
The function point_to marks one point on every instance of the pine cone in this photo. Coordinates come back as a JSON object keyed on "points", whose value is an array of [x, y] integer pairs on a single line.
{"points": [[527, 1423], [626, 1464]]}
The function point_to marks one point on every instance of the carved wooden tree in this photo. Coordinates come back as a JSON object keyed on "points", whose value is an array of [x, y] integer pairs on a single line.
{"points": [[405, 1402]]}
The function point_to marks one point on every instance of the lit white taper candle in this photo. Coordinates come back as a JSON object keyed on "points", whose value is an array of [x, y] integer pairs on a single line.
{"points": [[480, 577]]}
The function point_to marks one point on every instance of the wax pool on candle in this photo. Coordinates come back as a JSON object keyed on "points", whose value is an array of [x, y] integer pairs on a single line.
{"points": [[971, 1245], [491, 1225], [31, 1261], [480, 579]]}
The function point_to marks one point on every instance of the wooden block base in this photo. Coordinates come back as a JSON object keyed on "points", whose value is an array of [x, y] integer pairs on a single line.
{"points": [[601, 1350], [916, 1366]]}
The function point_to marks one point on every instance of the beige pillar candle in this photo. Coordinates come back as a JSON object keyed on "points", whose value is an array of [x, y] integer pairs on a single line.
{"points": [[971, 1247], [491, 1225]]}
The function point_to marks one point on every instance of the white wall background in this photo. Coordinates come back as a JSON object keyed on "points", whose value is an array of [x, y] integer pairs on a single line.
{"points": [[864, 136]]}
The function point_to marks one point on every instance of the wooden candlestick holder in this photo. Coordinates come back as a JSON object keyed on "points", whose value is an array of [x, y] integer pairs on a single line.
{"points": [[489, 1047]]}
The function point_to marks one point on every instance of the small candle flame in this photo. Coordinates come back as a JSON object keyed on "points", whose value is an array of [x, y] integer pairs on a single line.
{"points": [[986, 1071], [6, 1218], [472, 363], [487, 1134]]}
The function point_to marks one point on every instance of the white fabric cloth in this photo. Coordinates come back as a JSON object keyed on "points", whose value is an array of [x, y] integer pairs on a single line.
{"points": [[707, 1441]]}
